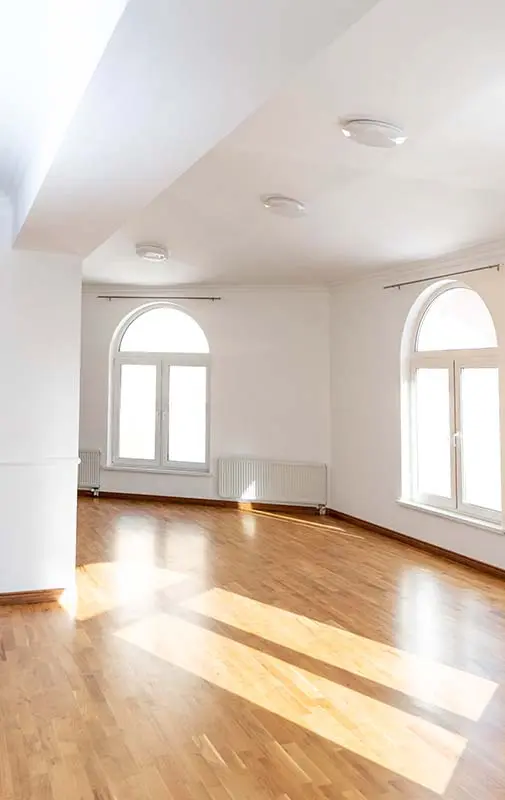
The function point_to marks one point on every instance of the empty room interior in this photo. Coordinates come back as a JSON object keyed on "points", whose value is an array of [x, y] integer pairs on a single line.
{"points": [[252, 428]]}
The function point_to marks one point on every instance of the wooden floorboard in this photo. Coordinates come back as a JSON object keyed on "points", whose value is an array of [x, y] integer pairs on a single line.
{"points": [[212, 654]]}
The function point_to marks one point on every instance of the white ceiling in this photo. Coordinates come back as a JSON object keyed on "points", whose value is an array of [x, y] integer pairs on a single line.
{"points": [[126, 121], [175, 78], [48, 51], [438, 69]]}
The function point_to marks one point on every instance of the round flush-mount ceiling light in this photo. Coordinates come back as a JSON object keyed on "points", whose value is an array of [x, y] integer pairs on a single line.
{"points": [[283, 206], [373, 132], [152, 252]]}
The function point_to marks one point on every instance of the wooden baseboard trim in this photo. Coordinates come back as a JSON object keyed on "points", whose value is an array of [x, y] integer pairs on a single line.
{"points": [[427, 547], [203, 501], [30, 598]]}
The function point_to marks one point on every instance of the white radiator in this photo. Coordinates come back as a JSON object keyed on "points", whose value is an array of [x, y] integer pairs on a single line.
{"points": [[89, 470], [251, 479]]}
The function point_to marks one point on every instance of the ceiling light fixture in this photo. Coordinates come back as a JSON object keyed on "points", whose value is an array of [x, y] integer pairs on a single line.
{"points": [[284, 206], [152, 252], [372, 132]]}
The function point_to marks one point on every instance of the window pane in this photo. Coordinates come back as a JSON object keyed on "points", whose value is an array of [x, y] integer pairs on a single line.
{"points": [[458, 319], [164, 330], [187, 417], [433, 432], [137, 411], [480, 444]]}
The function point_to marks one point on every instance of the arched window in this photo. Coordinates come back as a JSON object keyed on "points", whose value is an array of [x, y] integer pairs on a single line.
{"points": [[159, 392], [451, 424]]}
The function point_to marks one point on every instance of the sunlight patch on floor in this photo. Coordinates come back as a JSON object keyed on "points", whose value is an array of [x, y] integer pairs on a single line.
{"points": [[405, 744], [102, 587], [448, 688], [297, 520]]}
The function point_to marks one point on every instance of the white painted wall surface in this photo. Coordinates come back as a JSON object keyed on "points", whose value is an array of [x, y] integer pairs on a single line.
{"points": [[270, 380], [366, 329], [68, 42], [39, 403]]}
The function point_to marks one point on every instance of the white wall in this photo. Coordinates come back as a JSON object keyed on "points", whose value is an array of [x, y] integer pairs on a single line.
{"points": [[39, 404], [270, 380], [366, 329]]}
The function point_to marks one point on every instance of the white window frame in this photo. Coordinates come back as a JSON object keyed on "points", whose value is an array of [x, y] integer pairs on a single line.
{"points": [[454, 361], [163, 362]]}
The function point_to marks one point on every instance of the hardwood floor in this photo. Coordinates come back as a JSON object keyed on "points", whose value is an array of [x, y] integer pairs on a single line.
{"points": [[213, 654]]}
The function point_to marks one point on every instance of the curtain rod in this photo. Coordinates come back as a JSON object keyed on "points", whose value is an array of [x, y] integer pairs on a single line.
{"points": [[149, 297], [438, 277]]}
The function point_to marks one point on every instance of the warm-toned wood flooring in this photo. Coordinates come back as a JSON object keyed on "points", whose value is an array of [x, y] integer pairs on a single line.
{"points": [[214, 654]]}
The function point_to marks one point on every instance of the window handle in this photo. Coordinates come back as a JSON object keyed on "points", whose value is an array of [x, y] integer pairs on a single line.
{"points": [[456, 438]]}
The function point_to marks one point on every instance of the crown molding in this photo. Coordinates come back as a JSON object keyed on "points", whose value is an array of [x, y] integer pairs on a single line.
{"points": [[480, 255], [192, 290]]}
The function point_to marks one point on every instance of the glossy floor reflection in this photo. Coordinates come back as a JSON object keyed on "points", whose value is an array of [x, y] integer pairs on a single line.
{"points": [[218, 655], [435, 683], [405, 744], [104, 587]]}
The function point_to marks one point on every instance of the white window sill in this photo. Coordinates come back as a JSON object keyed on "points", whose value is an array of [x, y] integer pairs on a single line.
{"points": [[455, 516], [194, 473]]}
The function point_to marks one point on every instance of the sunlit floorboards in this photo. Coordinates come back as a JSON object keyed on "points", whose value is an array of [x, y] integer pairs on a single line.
{"points": [[215, 654]]}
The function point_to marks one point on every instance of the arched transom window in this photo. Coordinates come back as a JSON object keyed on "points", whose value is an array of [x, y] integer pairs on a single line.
{"points": [[453, 426], [159, 392]]}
